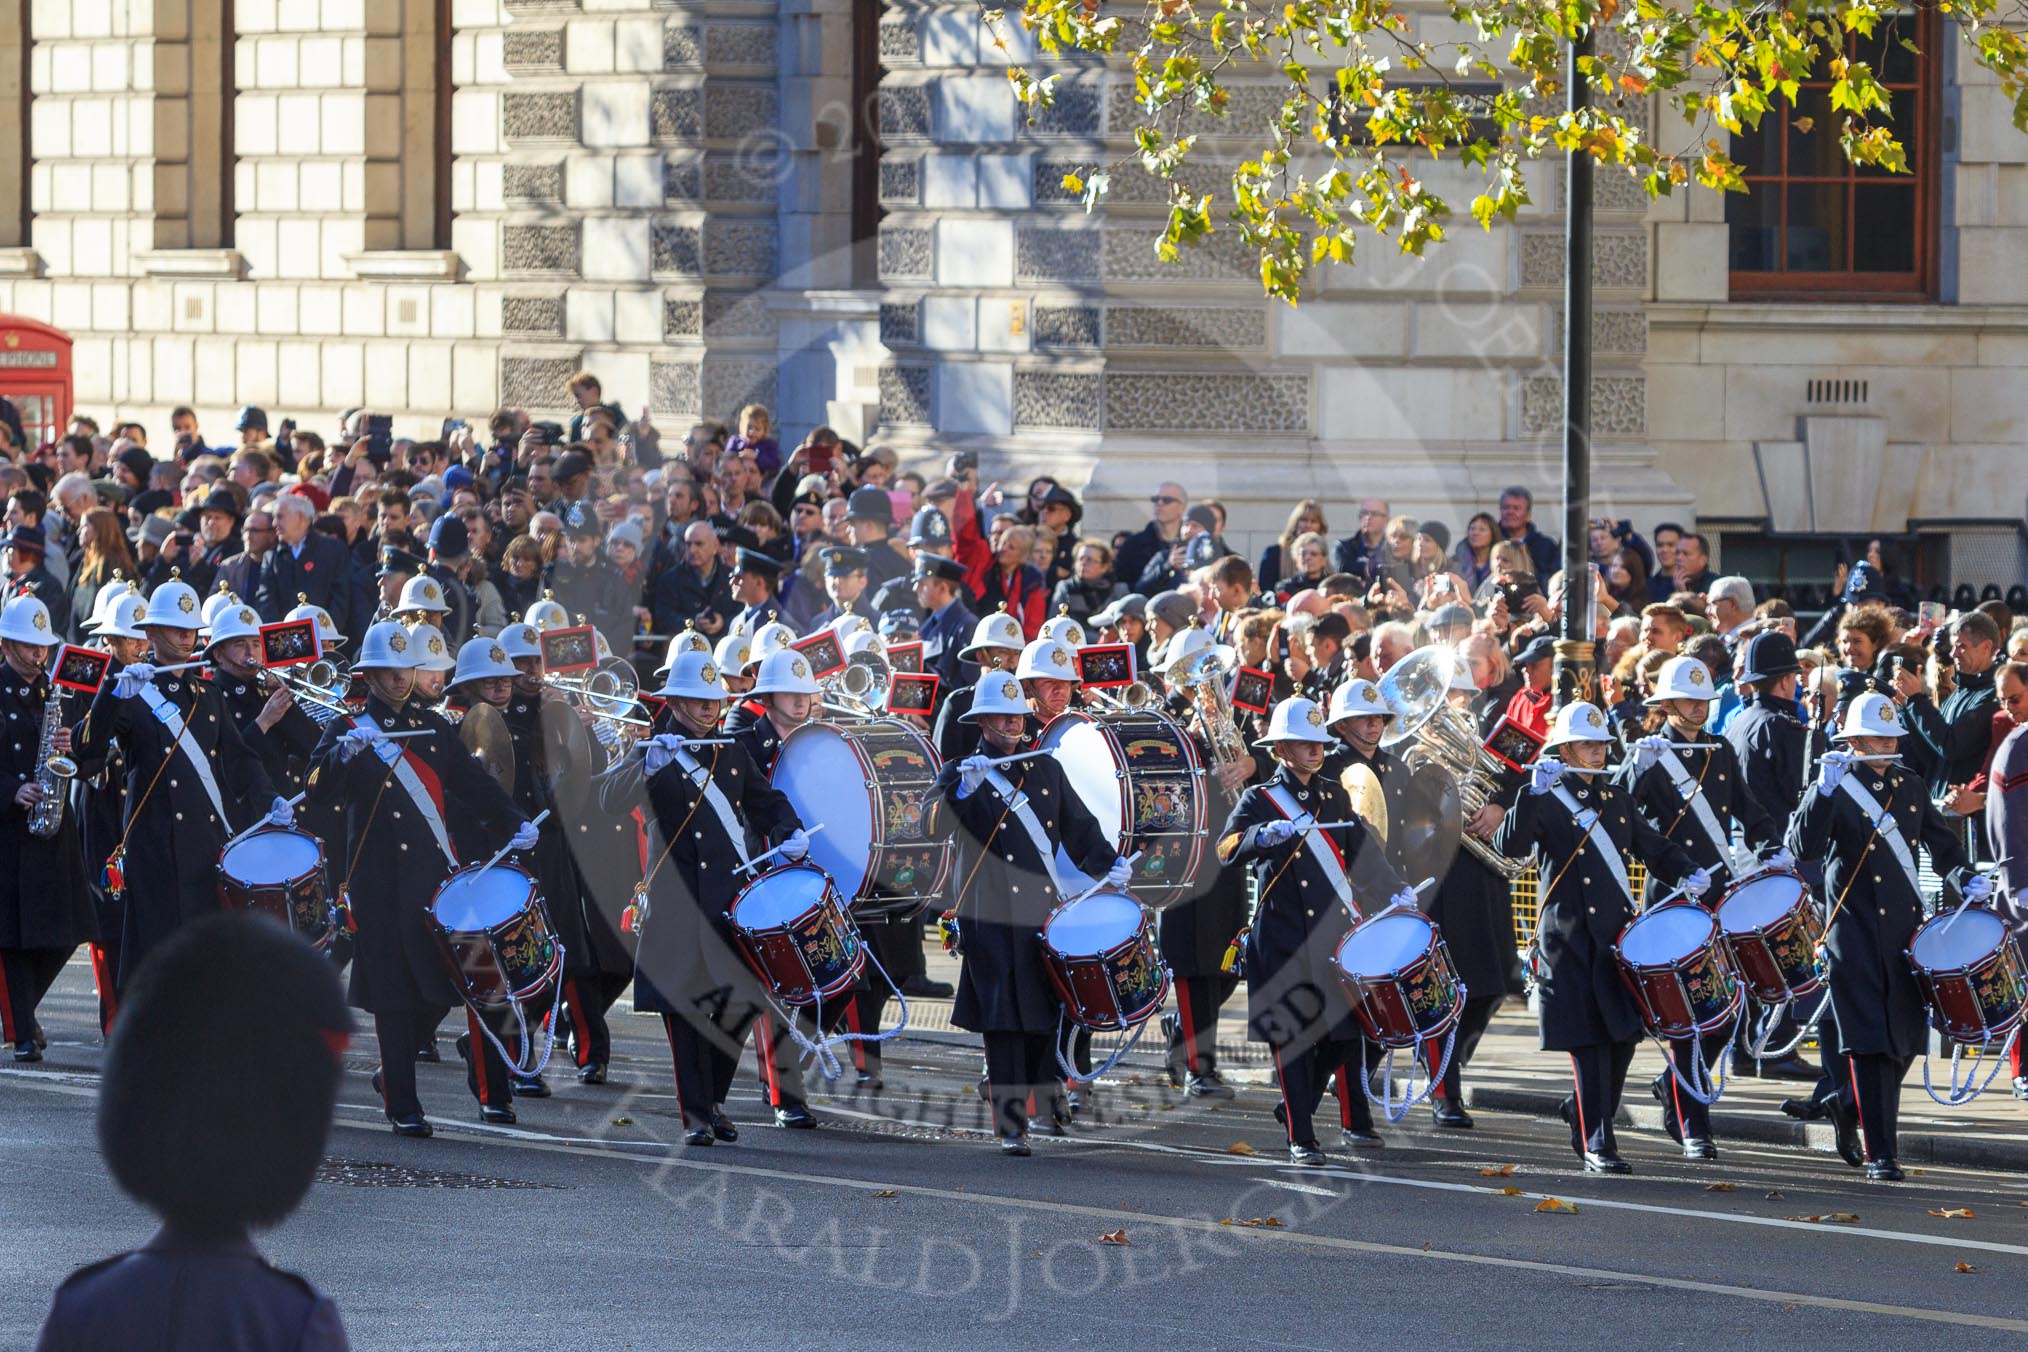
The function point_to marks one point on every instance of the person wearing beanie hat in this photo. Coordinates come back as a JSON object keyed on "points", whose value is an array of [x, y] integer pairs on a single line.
{"points": [[212, 1150], [1312, 860], [1580, 827]]}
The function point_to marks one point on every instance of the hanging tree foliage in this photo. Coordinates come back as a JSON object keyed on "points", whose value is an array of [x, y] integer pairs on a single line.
{"points": [[1365, 99]]}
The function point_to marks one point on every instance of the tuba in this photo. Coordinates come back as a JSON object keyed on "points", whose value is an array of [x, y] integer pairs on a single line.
{"points": [[1206, 682], [1439, 736]]}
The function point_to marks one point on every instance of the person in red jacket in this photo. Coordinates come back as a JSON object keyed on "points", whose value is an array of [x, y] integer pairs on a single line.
{"points": [[1016, 584], [1530, 706]]}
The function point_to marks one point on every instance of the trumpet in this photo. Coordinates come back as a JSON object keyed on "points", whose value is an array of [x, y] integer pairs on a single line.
{"points": [[321, 689], [608, 692]]}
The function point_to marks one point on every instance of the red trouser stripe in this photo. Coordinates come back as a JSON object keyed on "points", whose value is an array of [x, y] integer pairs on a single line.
{"points": [[7, 1028], [109, 1003], [1577, 1092], [1859, 1103], [1288, 1108], [669, 1030], [577, 1019], [1189, 1026], [1345, 1092], [479, 1059], [1432, 1057], [764, 1047]]}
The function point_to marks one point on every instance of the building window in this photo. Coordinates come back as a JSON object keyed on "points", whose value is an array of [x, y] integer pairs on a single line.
{"points": [[1814, 224]]}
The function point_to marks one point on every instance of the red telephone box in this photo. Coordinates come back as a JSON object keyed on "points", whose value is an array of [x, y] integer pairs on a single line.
{"points": [[35, 373]]}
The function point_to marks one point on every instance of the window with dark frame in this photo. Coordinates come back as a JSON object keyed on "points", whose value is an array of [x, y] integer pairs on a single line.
{"points": [[1813, 223]]}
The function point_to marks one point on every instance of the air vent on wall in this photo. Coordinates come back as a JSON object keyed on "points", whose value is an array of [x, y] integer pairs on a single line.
{"points": [[1837, 391]]}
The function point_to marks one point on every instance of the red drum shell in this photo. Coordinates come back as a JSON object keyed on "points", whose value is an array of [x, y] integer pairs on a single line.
{"points": [[279, 872], [792, 928], [1678, 973], [1101, 956], [490, 926], [1417, 997]]}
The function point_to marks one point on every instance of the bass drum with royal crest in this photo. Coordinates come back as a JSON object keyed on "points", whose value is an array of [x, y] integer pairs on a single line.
{"points": [[1139, 774], [869, 785]]}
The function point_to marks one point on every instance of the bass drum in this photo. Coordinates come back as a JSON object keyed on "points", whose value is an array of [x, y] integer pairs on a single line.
{"points": [[1138, 773], [869, 784]]}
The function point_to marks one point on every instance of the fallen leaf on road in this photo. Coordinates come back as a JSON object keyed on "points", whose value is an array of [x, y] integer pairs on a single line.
{"points": [[1242, 1148], [1504, 1171], [1828, 1218], [885, 1192], [1257, 1223], [1116, 1237], [1965, 1267], [1952, 1213], [1720, 1187], [1510, 1192], [1555, 1204], [623, 1121], [967, 1089], [1775, 1196]]}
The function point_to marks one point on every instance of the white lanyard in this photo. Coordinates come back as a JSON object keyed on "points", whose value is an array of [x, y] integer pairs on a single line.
{"points": [[701, 778], [159, 705], [1609, 853], [1320, 849], [1017, 803], [1889, 831], [1700, 806], [405, 775]]}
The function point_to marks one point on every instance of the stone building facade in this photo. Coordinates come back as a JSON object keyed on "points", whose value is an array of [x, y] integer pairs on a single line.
{"points": [[836, 208]]}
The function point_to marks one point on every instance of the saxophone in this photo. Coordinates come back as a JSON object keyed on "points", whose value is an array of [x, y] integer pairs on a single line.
{"points": [[54, 772]]}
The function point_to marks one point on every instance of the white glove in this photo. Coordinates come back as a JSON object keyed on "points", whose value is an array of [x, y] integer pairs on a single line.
{"points": [[525, 837], [357, 740], [972, 772], [659, 750], [1780, 859], [1404, 900], [1120, 874], [796, 846], [1978, 887], [132, 680], [1276, 833], [1697, 884], [1542, 775], [283, 813], [1648, 751], [1832, 767]]}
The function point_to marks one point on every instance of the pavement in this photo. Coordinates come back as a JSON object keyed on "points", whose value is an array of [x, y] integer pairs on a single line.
{"points": [[1157, 1220]]}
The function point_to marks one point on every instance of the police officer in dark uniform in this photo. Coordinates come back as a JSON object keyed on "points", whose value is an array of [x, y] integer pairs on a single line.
{"points": [[1007, 892], [1580, 825], [940, 591], [45, 911], [869, 516], [397, 566], [1312, 872], [844, 585], [995, 645], [401, 840], [192, 781], [929, 532], [1864, 817], [1687, 786], [1195, 933], [214, 1151], [705, 802], [449, 543]]}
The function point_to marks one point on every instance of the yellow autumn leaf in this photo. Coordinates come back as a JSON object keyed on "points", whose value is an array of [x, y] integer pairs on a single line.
{"points": [[1720, 1187], [1116, 1237], [1805, 125], [1828, 1218], [1240, 1148], [1965, 1267], [1510, 1192], [1555, 1204], [886, 1192], [1949, 1213], [1503, 1171]]}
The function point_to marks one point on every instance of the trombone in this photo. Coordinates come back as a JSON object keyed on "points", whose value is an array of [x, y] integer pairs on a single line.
{"points": [[608, 692], [322, 688]]}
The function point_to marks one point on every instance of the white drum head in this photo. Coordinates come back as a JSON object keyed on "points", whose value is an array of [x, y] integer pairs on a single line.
{"points": [[270, 858], [820, 774], [1386, 944], [480, 900], [1666, 935], [779, 898], [1946, 944], [1086, 755], [1086, 928], [1758, 902]]}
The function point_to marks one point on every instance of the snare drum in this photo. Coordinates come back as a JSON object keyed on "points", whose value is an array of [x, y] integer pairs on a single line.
{"points": [[1399, 976], [1771, 929], [278, 872], [1970, 973], [1671, 960], [1139, 775], [793, 930], [1101, 955], [869, 784], [491, 928]]}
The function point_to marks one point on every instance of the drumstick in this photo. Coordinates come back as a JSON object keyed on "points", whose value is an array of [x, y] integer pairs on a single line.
{"points": [[181, 666], [1102, 882], [262, 822], [537, 820], [1025, 755], [759, 859]]}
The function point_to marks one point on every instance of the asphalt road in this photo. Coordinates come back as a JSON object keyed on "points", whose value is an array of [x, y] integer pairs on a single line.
{"points": [[898, 1225]]}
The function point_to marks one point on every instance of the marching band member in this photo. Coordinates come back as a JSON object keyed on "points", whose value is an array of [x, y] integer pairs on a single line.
{"points": [[1048, 675], [399, 844], [1864, 817], [1193, 934], [1314, 863], [1579, 824], [996, 646], [434, 663], [101, 803], [192, 781], [281, 734], [704, 804], [736, 663], [1687, 786], [1013, 819], [45, 911]]}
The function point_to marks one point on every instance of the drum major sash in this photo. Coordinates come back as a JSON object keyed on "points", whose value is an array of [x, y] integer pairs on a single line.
{"points": [[411, 784], [1889, 830], [1321, 850], [159, 705], [1588, 821]]}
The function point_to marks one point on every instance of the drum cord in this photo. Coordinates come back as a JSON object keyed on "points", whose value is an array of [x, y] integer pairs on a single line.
{"points": [[1698, 788], [1410, 1098], [818, 1050], [1960, 1095], [514, 1066], [1712, 1079], [119, 853], [1756, 1046], [1075, 1076]]}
